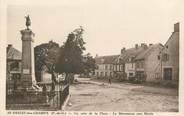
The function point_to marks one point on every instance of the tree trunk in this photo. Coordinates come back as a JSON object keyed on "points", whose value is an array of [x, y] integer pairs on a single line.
{"points": [[67, 78], [71, 78], [53, 77]]}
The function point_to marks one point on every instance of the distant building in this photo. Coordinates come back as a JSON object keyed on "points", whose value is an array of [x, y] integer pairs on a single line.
{"points": [[106, 65], [148, 63], [48, 79], [13, 65], [170, 56], [151, 63], [119, 69], [128, 59]]}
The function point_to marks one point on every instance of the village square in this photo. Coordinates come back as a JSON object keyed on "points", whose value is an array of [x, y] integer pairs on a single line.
{"points": [[142, 78], [66, 76]]}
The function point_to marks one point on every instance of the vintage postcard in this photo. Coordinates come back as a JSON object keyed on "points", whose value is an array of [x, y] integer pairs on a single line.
{"points": [[91, 57]]}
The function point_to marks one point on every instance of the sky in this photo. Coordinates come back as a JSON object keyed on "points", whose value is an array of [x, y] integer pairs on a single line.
{"points": [[109, 25]]}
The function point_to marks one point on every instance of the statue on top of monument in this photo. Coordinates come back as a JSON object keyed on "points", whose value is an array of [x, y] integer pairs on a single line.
{"points": [[28, 21]]}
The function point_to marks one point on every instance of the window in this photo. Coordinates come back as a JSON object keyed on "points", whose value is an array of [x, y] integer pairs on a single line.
{"points": [[137, 64], [140, 64], [158, 57], [101, 74], [102, 60], [97, 74], [105, 73], [119, 60], [165, 57], [111, 67], [110, 73], [130, 74], [157, 76], [10, 91], [10, 77], [16, 76], [106, 67], [130, 59], [114, 67], [117, 67], [122, 68], [100, 67], [14, 66]]}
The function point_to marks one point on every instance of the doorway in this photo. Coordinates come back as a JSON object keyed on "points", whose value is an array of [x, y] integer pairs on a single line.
{"points": [[167, 73]]}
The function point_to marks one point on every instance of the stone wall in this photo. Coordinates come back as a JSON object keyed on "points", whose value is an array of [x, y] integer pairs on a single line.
{"points": [[104, 70], [172, 49], [152, 65]]}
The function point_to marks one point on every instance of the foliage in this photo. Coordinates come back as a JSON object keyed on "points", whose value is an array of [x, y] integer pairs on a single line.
{"points": [[70, 60], [45, 54], [88, 64]]}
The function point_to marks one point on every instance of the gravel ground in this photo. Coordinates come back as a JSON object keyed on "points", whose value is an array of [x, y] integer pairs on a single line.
{"points": [[94, 96]]}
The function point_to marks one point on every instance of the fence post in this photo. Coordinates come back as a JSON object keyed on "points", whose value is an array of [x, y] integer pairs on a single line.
{"points": [[60, 95]]}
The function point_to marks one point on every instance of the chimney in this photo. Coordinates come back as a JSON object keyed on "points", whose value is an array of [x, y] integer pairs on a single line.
{"points": [[136, 46], [123, 50], [150, 44], [143, 45], [9, 46], [176, 27]]}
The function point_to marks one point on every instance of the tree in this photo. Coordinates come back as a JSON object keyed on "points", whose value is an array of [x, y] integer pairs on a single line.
{"points": [[46, 54], [88, 64], [70, 59]]}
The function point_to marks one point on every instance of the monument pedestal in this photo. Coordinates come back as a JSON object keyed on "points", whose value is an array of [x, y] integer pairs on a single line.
{"points": [[28, 75]]}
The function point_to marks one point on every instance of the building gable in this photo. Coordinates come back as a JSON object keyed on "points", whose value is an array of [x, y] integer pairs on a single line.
{"points": [[13, 54], [129, 54], [106, 59], [147, 52]]}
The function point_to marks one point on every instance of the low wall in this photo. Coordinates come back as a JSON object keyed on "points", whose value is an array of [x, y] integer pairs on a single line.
{"points": [[46, 100]]}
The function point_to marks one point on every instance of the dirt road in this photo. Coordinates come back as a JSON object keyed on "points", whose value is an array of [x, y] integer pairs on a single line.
{"points": [[122, 97]]}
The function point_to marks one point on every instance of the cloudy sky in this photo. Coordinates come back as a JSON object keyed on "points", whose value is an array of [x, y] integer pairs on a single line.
{"points": [[109, 24]]}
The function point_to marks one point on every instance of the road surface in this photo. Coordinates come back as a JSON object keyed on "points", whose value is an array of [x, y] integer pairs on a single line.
{"points": [[98, 96]]}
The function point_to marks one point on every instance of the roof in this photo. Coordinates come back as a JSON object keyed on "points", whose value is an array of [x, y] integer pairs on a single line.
{"points": [[145, 53], [176, 31], [106, 59], [171, 37], [131, 52], [13, 54]]}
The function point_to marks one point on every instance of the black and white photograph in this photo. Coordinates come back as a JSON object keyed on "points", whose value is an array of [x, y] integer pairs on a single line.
{"points": [[93, 55]]}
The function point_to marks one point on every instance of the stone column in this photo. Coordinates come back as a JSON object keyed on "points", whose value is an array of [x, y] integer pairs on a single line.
{"points": [[28, 75]]}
